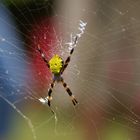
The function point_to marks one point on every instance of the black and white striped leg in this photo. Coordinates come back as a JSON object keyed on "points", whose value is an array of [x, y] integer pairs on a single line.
{"points": [[74, 101], [67, 60], [69, 57], [49, 97], [43, 56]]}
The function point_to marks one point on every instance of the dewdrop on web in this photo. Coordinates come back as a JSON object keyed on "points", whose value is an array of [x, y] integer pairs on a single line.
{"points": [[43, 101]]}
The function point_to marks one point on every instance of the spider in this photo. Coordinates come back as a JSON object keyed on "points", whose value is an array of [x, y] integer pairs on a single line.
{"points": [[57, 66]]}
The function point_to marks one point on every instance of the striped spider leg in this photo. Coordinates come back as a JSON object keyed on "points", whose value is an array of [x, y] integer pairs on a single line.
{"points": [[43, 55], [49, 97], [69, 57], [74, 101]]}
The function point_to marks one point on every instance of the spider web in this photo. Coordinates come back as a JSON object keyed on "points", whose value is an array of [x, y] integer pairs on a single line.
{"points": [[103, 73]]}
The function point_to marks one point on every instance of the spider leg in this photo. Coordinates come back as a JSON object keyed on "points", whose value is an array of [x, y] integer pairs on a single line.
{"points": [[74, 101], [69, 57], [49, 97], [43, 55]]}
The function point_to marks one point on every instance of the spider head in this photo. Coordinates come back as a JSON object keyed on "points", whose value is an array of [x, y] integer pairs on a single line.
{"points": [[56, 64]]}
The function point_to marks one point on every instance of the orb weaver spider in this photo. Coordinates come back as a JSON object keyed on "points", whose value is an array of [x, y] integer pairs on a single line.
{"points": [[57, 66]]}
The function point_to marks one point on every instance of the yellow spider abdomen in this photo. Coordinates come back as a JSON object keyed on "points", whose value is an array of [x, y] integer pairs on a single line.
{"points": [[56, 63]]}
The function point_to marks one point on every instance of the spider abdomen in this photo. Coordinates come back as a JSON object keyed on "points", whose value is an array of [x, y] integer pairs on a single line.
{"points": [[56, 64]]}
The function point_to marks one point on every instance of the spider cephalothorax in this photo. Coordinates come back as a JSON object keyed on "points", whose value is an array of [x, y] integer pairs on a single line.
{"points": [[57, 67]]}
